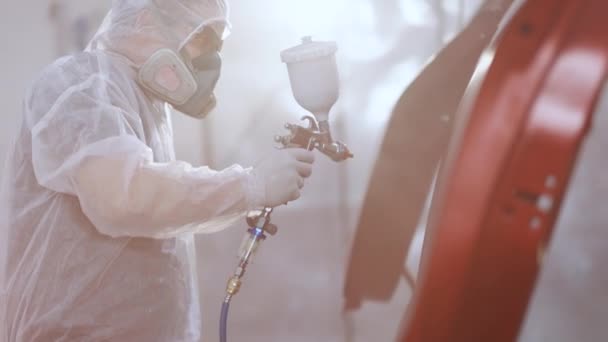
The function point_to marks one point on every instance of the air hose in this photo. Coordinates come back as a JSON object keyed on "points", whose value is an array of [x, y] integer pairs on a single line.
{"points": [[259, 226], [224, 320]]}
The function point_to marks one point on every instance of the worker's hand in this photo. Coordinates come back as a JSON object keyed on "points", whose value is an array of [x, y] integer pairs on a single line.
{"points": [[281, 176]]}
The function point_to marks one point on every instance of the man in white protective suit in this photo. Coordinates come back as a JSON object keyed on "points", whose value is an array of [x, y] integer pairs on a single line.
{"points": [[98, 218]]}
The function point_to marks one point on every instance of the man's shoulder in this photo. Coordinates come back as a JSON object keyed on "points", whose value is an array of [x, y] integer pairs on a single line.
{"points": [[75, 69], [92, 73]]}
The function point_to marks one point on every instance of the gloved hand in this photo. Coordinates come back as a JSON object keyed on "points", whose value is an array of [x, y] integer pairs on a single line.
{"points": [[280, 176]]}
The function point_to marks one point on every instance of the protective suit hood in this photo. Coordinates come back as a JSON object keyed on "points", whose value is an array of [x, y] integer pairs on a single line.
{"points": [[137, 29]]}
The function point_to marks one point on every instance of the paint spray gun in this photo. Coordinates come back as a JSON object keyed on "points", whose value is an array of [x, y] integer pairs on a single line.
{"points": [[313, 74]]}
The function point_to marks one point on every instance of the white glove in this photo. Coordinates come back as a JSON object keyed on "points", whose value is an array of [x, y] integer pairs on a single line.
{"points": [[280, 176]]}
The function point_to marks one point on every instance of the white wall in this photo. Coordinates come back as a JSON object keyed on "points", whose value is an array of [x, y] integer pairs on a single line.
{"points": [[26, 47]]}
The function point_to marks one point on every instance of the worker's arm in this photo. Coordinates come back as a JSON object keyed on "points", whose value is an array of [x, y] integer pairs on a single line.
{"points": [[88, 144]]}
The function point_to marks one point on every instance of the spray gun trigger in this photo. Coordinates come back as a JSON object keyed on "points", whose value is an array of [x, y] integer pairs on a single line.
{"points": [[312, 122]]}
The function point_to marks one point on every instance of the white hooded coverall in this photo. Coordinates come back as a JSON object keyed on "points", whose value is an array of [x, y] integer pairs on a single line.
{"points": [[96, 237]]}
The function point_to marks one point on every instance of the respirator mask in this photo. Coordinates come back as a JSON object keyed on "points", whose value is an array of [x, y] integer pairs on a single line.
{"points": [[185, 84]]}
